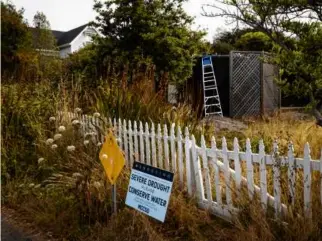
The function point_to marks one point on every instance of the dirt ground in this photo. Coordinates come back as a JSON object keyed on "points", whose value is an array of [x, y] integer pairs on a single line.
{"points": [[15, 228]]}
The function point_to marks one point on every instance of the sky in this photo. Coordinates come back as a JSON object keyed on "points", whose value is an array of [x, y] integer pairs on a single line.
{"points": [[64, 15]]}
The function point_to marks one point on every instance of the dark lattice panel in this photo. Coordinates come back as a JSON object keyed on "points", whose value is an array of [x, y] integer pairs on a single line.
{"points": [[245, 82]]}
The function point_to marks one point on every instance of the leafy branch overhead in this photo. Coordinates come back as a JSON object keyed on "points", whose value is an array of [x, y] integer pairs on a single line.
{"points": [[156, 31], [295, 28]]}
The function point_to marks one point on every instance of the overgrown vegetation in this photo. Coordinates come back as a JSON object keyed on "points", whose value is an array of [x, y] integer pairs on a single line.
{"points": [[50, 170]]}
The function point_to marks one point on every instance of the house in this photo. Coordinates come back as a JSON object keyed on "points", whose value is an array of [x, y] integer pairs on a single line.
{"points": [[71, 41]]}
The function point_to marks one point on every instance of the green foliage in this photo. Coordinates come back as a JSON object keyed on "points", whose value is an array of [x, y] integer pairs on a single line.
{"points": [[24, 109], [145, 31], [17, 55], [242, 39], [256, 41], [43, 38]]}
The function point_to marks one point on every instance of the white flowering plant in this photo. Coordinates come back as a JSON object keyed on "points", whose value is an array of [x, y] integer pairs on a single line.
{"points": [[68, 158]]}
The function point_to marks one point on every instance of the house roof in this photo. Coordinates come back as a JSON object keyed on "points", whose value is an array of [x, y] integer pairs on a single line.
{"points": [[69, 36], [65, 37]]}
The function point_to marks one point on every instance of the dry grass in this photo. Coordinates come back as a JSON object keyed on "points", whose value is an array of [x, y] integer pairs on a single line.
{"points": [[286, 127]]}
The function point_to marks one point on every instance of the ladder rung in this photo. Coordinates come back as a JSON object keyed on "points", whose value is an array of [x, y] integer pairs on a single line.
{"points": [[211, 87], [216, 113], [211, 72], [213, 80], [212, 97], [213, 105], [207, 65]]}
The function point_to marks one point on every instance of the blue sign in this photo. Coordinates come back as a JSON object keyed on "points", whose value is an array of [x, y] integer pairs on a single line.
{"points": [[149, 190]]}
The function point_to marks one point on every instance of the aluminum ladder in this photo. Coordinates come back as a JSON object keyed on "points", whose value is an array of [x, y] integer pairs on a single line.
{"points": [[212, 104]]}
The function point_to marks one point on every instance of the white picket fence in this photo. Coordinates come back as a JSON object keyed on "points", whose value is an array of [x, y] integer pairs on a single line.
{"points": [[216, 175]]}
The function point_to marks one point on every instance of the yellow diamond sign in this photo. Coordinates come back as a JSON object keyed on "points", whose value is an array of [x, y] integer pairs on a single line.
{"points": [[112, 158]]}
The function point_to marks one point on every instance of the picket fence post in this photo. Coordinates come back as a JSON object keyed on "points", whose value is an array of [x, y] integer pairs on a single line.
{"points": [[307, 180], [126, 147], [180, 159], [131, 143], [166, 147], [291, 172], [187, 150], [173, 149], [84, 126], [154, 154], [197, 171], [276, 177], [321, 175], [160, 156], [263, 174], [141, 143], [120, 134], [250, 169], [237, 166], [115, 129], [136, 143], [147, 144], [216, 171], [206, 169], [226, 172]]}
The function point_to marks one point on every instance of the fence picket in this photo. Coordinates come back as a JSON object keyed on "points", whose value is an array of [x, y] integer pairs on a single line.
{"points": [[276, 177], [263, 178], [216, 171], [141, 143], [321, 175], [237, 165], [154, 154], [187, 146], [173, 149], [291, 172], [180, 159], [206, 169], [226, 172], [307, 180], [136, 143], [130, 131], [84, 126], [115, 128], [160, 156], [147, 144], [197, 170], [125, 141], [250, 169], [120, 134], [166, 147]]}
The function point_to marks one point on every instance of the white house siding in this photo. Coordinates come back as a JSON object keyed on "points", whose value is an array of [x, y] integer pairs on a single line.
{"points": [[80, 41], [64, 52]]}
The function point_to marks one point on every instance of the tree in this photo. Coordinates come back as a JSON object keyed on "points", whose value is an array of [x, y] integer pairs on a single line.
{"points": [[295, 28], [16, 43], [156, 32], [45, 44], [245, 39], [43, 36]]}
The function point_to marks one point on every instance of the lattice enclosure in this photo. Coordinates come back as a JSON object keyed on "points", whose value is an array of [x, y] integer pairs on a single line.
{"points": [[245, 83]]}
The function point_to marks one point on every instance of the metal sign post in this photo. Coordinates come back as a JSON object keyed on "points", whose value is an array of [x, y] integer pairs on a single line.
{"points": [[114, 206]]}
